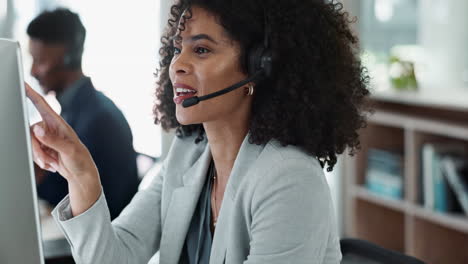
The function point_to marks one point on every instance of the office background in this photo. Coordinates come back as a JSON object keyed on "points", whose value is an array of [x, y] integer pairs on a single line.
{"points": [[407, 189], [120, 54], [415, 51]]}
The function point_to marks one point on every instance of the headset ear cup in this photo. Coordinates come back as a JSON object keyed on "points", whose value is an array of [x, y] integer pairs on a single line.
{"points": [[72, 58], [260, 59], [67, 60], [255, 58], [266, 63]]}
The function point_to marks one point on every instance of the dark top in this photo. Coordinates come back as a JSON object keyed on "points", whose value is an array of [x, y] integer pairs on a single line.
{"points": [[103, 129], [197, 247]]}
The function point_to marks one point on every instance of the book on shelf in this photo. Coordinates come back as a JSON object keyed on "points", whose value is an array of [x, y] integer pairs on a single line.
{"points": [[456, 174], [384, 175], [436, 193]]}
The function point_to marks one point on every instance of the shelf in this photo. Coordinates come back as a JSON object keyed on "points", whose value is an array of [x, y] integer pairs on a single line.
{"points": [[436, 244], [380, 225], [405, 126], [451, 221], [363, 194], [453, 99], [447, 129], [371, 137]]}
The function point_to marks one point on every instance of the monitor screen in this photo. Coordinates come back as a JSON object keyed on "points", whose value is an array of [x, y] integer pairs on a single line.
{"points": [[20, 239]]}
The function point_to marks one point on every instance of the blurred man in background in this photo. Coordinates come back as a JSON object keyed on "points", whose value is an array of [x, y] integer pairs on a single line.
{"points": [[56, 45]]}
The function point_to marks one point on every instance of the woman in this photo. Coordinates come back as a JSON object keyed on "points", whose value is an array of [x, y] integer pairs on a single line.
{"points": [[243, 182]]}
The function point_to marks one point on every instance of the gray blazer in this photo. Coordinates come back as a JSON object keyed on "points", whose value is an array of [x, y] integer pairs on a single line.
{"points": [[276, 209]]}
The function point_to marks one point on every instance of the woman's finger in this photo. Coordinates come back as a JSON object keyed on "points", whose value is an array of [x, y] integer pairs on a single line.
{"points": [[52, 153], [49, 138], [50, 168], [41, 157], [46, 112]]}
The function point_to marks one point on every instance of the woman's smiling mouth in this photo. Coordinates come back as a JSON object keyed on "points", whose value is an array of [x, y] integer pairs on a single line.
{"points": [[183, 92]]}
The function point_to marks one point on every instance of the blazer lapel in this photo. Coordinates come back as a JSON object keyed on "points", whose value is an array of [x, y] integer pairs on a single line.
{"points": [[219, 245], [180, 211], [248, 154]]}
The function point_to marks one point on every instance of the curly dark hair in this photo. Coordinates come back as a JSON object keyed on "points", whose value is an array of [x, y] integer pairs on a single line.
{"points": [[316, 96]]}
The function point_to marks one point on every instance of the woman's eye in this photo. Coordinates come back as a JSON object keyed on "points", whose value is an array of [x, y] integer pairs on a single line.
{"points": [[176, 50], [201, 50]]}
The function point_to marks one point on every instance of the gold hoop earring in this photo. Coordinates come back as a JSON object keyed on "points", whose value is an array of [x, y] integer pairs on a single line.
{"points": [[251, 89]]}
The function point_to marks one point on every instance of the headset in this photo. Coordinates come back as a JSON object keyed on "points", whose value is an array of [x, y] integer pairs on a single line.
{"points": [[259, 68], [73, 55], [260, 56]]}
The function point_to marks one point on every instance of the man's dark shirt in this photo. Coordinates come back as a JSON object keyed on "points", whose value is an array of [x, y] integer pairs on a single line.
{"points": [[103, 129]]}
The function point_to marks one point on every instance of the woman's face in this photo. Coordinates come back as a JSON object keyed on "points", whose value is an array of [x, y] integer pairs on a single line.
{"points": [[205, 61]]}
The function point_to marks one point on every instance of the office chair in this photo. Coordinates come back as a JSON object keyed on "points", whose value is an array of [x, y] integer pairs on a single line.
{"points": [[363, 252]]}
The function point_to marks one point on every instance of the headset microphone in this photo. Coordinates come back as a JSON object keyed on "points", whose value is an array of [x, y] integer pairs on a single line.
{"points": [[195, 100]]}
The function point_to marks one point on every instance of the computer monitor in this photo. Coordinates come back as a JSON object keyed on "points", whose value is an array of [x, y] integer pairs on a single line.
{"points": [[20, 237]]}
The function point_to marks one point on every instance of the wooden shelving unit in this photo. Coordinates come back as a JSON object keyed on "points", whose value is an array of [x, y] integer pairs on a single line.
{"points": [[405, 225]]}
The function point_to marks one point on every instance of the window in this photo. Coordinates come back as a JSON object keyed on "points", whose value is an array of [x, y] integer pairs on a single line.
{"points": [[121, 55], [430, 34], [386, 23], [3, 10]]}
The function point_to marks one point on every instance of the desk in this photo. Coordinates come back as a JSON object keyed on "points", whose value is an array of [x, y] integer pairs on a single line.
{"points": [[54, 242]]}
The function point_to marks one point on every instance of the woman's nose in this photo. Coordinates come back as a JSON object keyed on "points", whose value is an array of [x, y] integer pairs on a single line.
{"points": [[181, 64]]}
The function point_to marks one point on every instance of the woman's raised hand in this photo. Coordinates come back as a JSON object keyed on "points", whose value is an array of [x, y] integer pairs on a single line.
{"points": [[57, 148]]}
